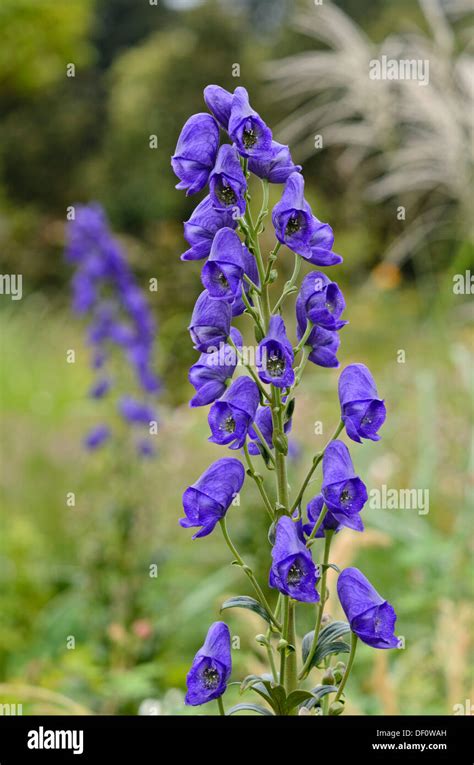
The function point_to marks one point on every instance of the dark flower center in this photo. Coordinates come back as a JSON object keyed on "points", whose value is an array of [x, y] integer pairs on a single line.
{"points": [[276, 365], [210, 678], [295, 574], [293, 226], [345, 497], [229, 424], [226, 195], [221, 278], [249, 138], [366, 420]]}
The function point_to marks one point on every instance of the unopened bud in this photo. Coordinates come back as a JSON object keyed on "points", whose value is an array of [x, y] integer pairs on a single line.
{"points": [[328, 677]]}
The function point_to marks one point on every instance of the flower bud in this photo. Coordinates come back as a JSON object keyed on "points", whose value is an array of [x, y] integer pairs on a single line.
{"points": [[328, 677], [336, 708]]}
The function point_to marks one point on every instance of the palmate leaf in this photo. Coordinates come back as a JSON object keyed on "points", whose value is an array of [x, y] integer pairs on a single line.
{"points": [[243, 601], [249, 708], [328, 642]]}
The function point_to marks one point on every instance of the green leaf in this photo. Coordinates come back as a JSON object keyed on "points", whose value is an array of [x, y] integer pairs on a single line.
{"points": [[265, 455], [338, 646], [296, 698], [318, 693], [243, 601], [290, 408], [327, 643], [278, 694], [249, 708], [330, 565]]}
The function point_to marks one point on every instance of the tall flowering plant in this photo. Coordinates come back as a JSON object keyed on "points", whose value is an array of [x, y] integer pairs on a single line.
{"points": [[122, 338], [252, 413]]}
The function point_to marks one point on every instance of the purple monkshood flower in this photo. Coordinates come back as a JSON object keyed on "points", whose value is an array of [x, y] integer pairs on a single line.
{"points": [[343, 491], [219, 102], [321, 301], [209, 498], [210, 322], [293, 572], [213, 371], [247, 130], [263, 420], [97, 437], [370, 617], [223, 271], [275, 356], [362, 411], [200, 229], [313, 511], [297, 227], [196, 152], [231, 417], [211, 667], [227, 184], [324, 345], [277, 167], [136, 411]]}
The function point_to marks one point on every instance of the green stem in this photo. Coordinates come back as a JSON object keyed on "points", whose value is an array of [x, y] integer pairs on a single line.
{"points": [[263, 441], [291, 680], [283, 657], [306, 334], [271, 260], [220, 705], [251, 372], [259, 481], [348, 668], [317, 459], [317, 525], [248, 571], [321, 604], [271, 659], [288, 288], [280, 459], [264, 208], [300, 369]]}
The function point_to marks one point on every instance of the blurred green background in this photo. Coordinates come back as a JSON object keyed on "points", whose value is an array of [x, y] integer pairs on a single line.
{"points": [[392, 177]]}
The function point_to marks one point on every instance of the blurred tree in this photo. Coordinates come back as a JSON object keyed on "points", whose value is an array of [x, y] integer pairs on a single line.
{"points": [[38, 39]]}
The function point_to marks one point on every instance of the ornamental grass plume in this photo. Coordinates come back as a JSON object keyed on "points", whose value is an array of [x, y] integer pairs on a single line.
{"points": [[251, 414]]}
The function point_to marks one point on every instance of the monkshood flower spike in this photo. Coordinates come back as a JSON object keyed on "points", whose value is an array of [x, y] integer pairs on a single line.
{"points": [[251, 399], [121, 325]]}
